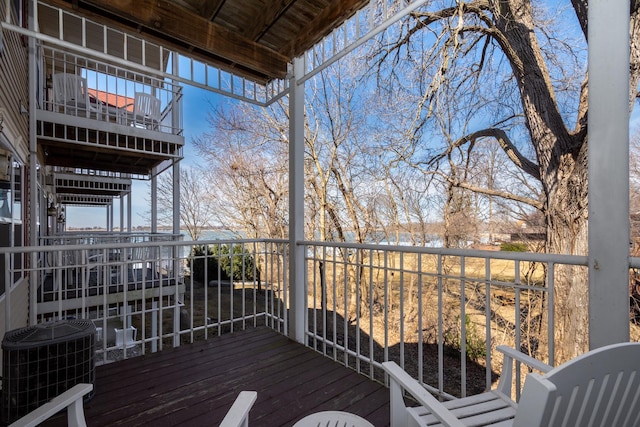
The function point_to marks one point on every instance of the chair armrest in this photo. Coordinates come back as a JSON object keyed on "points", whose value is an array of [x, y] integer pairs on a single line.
{"points": [[71, 398], [519, 356], [510, 354], [238, 415], [400, 378]]}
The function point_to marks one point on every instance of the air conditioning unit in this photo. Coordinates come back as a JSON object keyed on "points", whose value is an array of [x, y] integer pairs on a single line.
{"points": [[42, 361]]}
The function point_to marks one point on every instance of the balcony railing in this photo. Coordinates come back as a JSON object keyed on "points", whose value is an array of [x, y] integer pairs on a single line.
{"points": [[158, 291], [100, 237], [107, 94], [439, 313]]}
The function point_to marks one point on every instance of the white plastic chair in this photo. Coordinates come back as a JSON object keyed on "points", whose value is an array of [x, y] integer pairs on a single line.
{"points": [[125, 338], [70, 96], [146, 112], [334, 419], [601, 387]]}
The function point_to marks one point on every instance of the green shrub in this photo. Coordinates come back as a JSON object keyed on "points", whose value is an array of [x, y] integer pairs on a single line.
{"points": [[236, 261], [513, 247], [475, 346], [202, 258]]}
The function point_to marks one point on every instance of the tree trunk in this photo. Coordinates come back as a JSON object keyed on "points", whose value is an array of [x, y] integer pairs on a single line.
{"points": [[566, 218], [562, 160]]}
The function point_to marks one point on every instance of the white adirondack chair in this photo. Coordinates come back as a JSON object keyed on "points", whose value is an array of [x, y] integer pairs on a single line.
{"points": [[70, 399], [71, 96], [598, 388], [146, 112], [238, 415]]}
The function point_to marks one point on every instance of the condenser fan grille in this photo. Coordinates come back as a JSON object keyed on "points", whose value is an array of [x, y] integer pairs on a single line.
{"points": [[43, 361]]}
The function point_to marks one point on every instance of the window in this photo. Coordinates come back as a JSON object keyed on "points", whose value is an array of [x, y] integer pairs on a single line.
{"points": [[19, 9], [11, 216]]}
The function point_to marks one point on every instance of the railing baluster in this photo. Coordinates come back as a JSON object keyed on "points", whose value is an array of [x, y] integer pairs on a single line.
{"points": [[463, 328], [401, 319], [358, 312], [420, 321], [439, 273], [371, 313], [487, 334]]}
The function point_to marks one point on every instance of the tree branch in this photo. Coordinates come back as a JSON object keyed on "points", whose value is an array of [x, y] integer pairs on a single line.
{"points": [[508, 147], [492, 192], [505, 143]]}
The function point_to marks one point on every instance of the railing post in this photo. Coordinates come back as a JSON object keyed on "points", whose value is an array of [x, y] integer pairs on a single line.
{"points": [[297, 286]]}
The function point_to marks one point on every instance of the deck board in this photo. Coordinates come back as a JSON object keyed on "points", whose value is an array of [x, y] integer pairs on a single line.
{"points": [[196, 384]]}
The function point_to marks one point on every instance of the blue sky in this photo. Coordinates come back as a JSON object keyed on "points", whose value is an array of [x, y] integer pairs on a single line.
{"points": [[196, 103]]}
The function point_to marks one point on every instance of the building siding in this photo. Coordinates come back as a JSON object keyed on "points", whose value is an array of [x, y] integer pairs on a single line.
{"points": [[14, 74], [14, 94]]}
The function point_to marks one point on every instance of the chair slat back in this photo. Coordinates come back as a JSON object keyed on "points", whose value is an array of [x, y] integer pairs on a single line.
{"points": [[146, 106], [70, 89], [600, 388]]}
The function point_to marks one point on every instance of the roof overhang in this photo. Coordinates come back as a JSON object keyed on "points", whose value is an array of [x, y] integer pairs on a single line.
{"points": [[247, 37]]}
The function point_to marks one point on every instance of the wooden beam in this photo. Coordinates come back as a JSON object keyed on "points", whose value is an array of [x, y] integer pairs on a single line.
{"points": [[181, 24], [166, 42], [333, 15], [211, 8], [265, 20]]}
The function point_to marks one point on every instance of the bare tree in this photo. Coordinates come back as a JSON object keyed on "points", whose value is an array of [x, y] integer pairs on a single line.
{"points": [[634, 191], [518, 55], [246, 155], [196, 208]]}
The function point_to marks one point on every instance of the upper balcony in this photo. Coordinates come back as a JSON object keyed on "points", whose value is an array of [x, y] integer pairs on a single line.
{"points": [[99, 116], [72, 185]]}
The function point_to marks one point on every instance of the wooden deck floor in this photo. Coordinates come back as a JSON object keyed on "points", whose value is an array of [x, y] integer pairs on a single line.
{"points": [[194, 385]]}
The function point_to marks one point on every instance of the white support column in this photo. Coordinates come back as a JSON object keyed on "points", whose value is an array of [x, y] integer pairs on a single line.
{"points": [[297, 303], [176, 197], [608, 172], [33, 167], [122, 213], [176, 230], [129, 226], [109, 225], [154, 202], [175, 123]]}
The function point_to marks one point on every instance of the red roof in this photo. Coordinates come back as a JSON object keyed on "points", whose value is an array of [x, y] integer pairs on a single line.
{"points": [[112, 99]]}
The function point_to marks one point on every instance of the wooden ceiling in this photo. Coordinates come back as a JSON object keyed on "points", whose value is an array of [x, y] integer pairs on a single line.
{"points": [[254, 38]]}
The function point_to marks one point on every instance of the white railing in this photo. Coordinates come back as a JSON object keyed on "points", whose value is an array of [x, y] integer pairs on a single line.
{"points": [[439, 313], [84, 173], [147, 295], [72, 32], [111, 92], [98, 237], [365, 23]]}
